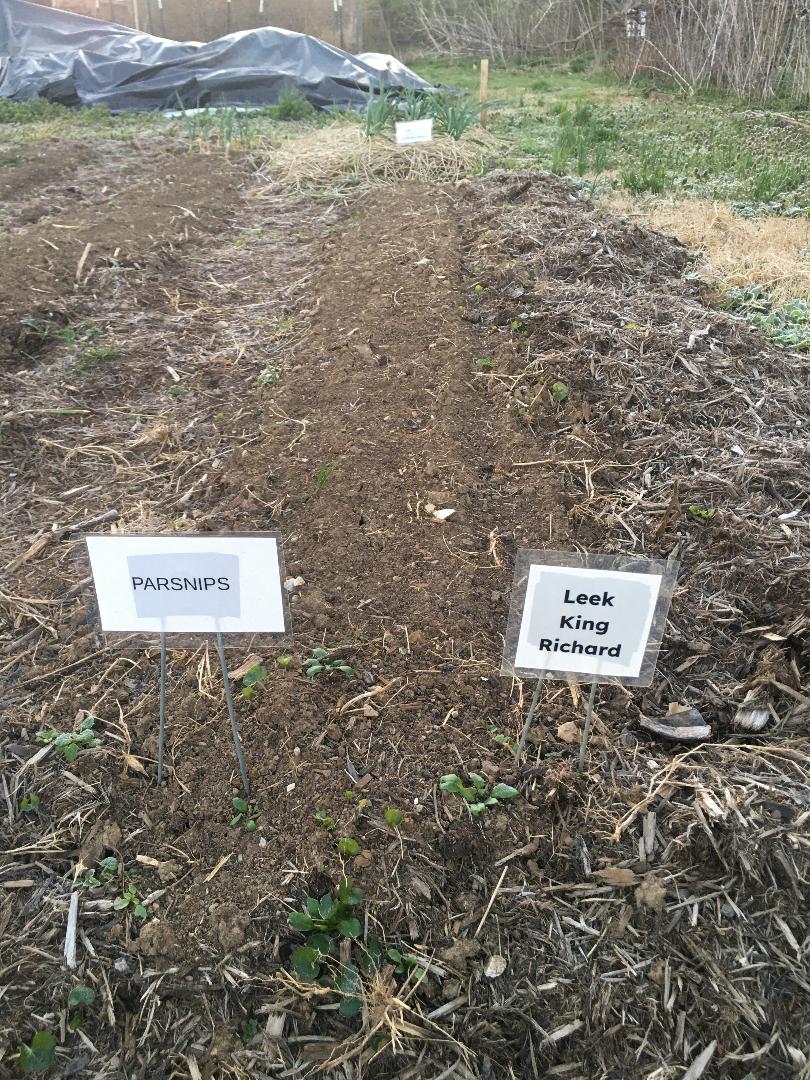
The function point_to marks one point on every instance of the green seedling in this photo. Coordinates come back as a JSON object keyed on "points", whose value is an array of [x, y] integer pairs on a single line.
{"points": [[38, 1057], [322, 476], [268, 377], [322, 920], [319, 663], [246, 814], [485, 365], [559, 392], [129, 899], [501, 739], [381, 110], [700, 512], [29, 804], [407, 964], [79, 999], [475, 794], [250, 1029], [393, 817], [326, 822], [104, 872], [69, 743], [178, 391], [346, 845], [253, 678], [283, 661], [455, 115]]}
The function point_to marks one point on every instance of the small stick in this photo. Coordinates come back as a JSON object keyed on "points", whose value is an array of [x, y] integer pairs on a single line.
{"points": [[482, 97], [586, 731], [237, 742], [525, 733], [495, 892], [70, 935], [162, 728]]}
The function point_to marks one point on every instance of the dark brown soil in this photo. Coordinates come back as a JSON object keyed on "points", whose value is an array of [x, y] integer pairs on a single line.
{"points": [[376, 319]]}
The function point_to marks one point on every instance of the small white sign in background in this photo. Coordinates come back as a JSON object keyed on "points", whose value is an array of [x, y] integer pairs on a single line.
{"points": [[188, 584], [414, 131], [596, 616]]}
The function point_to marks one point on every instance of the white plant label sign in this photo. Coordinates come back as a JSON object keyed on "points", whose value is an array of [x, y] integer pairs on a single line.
{"points": [[188, 584], [595, 621], [414, 131]]}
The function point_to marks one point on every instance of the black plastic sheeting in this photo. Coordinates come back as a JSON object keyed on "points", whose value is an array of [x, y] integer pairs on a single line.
{"points": [[74, 60]]}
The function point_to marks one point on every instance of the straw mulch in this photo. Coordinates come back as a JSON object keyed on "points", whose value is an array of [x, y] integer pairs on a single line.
{"points": [[346, 156]]}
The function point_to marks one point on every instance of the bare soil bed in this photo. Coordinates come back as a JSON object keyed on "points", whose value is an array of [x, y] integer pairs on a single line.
{"points": [[618, 924]]}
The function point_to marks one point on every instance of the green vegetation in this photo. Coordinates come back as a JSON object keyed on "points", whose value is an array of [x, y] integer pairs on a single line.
{"points": [[252, 679], [326, 821], [105, 871], [559, 392], [29, 804], [130, 900], [245, 816], [346, 845], [475, 794], [393, 817], [97, 356], [323, 920], [787, 325], [70, 743], [38, 1057], [291, 105], [320, 664], [79, 1000]]}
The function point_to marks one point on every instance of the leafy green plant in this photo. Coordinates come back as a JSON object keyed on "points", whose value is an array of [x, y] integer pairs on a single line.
{"points": [[381, 110], [130, 900], [701, 512], [39, 1056], [559, 392], [253, 678], [322, 920], [326, 822], [475, 794], [501, 739], [346, 845], [246, 814], [249, 1031], [177, 390], [105, 871], [455, 115], [79, 1000], [69, 743], [29, 803], [319, 663], [407, 964], [484, 364], [414, 105], [268, 377], [787, 325], [322, 476], [292, 105], [393, 817]]}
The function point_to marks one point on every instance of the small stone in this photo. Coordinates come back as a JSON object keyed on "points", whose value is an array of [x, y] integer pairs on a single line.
{"points": [[496, 966]]}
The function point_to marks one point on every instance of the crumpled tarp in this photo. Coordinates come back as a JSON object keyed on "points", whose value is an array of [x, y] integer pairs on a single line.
{"points": [[75, 60]]}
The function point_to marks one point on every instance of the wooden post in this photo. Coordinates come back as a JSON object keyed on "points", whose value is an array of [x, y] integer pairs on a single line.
{"points": [[136, 15], [482, 97]]}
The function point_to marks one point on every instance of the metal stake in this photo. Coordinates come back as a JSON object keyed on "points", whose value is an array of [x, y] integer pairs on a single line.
{"points": [[162, 729], [586, 731], [237, 742], [524, 734]]}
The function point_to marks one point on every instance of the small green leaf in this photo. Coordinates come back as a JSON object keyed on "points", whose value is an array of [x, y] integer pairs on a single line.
{"points": [[478, 781], [140, 910], [256, 675], [349, 927], [240, 805], [248, 691], [346, 669], [349, 985], [249, 825], [121, 902], [235, 820], [314, 669], [29, 803], [70, 752], [109, 866], [300, 920], [559, 391], [393, 817], [321, 942], [320, 653], [327, 907], [450, 783], [38, 1057], [477, 808], [81, 995], [347, 846], [349, 894], [373, 956], [283, 661], [306, 962], [395, 955], [313, 907], [504, 791]]}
